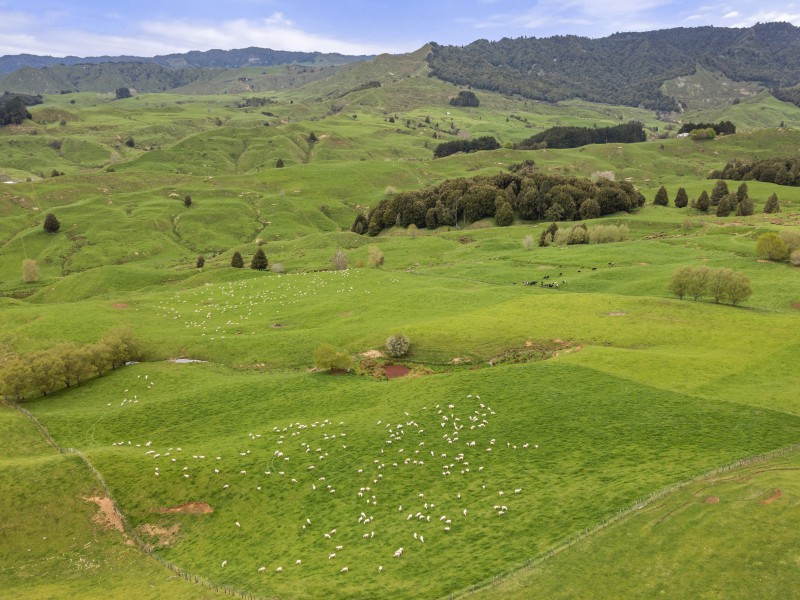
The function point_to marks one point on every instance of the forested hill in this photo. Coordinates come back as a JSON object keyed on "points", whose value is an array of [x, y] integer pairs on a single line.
{"points": [[624, 68], [244, 57]]}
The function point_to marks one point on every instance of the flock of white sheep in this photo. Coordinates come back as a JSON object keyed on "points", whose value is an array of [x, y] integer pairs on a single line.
{"points": [[415, 479]]}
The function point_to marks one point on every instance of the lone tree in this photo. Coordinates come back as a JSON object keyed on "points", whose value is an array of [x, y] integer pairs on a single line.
{"points": [[703, 202], [187, 201], [259, 261], [51, 223], [681, 198], [465, 98], [772, 205], [661, 198], [123, 92], [771, 246], [237, 262]]}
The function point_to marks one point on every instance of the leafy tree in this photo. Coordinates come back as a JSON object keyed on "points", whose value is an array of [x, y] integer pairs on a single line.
{"points": [[548, 235], [75, 369], [679, 284], [745, 208], [504, 215], [340, 260], [590, 209], [259, 260], [718, 284], [772, 205], [329, 358], [661, 198], [30, 271], [237, 262], [201, 261], [360, 225], [120, 346], [681, 198], [703, 202], [698, 282], [741, 193], [122, 93], [719, 192], [187, 201], [397, 345], [15, 378], [51, 223], [771, 246], [738, 288], [431, 222], [726, 205]]}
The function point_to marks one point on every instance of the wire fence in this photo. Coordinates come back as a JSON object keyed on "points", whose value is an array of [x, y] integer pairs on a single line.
{"points": [[621, 514], [130, 530]]}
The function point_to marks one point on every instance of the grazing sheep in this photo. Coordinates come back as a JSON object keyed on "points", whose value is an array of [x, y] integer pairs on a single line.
{"points": [[279, 570], [262, 569], [344, 570]]}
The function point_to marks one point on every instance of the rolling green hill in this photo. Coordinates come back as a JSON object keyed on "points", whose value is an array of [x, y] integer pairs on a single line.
{"points": [[543, 430]]}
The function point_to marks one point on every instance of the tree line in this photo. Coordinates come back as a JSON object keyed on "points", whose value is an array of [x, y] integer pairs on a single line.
{"points": [[486, 142], [782, 171], [721, 128], [67, 364], [574, 137], [14, 107], [520, 192], [722, 285]]}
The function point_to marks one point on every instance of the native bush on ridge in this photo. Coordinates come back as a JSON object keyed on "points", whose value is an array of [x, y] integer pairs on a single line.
{"points": [[530, 196]]}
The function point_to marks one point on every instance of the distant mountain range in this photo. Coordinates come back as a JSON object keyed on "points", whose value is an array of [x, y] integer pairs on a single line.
{"points": [[621, 69]]}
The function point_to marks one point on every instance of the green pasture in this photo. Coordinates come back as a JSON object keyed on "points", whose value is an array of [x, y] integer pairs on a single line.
{"points": [[625, 389]]}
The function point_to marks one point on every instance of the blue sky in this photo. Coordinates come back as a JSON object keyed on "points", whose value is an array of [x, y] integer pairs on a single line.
{"points": [[148, 27]]}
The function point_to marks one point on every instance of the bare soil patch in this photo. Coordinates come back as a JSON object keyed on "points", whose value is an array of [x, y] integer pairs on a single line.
{"points": [[161, 536], [278, 325], [796, 305], [107, 517], [372, 354], [772, 498], [394, 371], [617, 314], [711, 500], [119, 305], [191, 508]]}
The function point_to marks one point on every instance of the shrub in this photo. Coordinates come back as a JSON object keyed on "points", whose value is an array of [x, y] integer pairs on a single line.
{"points": [[719, 192], [745, 208], [277, 268], [703, 202], [681, 198], [397, 345], [130, 143], [792, 239], [771, 247], [795, 258], [375, 257], [661, 198], [329, 358], [340, 260], [30, 271], [772, 205], [259, 260], [504, 216], [548, 235], [279, 164], [725, 206], [237, 262], [187, 201], [51, 223], [201, 261]]}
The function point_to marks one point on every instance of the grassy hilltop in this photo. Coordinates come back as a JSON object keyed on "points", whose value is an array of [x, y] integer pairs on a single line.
{"points": [[602, 409]]}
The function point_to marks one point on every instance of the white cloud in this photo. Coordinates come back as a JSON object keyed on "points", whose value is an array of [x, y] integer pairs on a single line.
{"points": [[731, 15]]}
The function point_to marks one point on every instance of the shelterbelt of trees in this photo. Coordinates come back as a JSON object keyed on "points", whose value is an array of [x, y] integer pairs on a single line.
{"points": [[521, 193], [783, 171], [574, 137]]}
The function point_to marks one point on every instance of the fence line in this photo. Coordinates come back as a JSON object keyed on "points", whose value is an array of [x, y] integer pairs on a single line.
{"points": [[621, 514], [129, 530]]}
